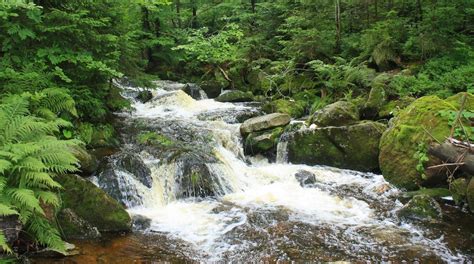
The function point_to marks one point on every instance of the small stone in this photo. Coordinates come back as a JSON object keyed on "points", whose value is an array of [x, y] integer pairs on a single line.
{"points": [[421, 208], [305, 177]]}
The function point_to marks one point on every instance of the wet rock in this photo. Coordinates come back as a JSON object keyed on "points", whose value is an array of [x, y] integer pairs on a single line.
{"points": [[195, 91], [353, 147], [458, 189], [421, 207], [293, 108], [194, 179], [11, 227], [144, 96], [305, 177], [264, 122], [337, 114], [470, 194], [263, 141], [431, 192], [408, 130], [235, 96], [74, 227], [135, 165], [140, 222], [70, 250], [93, 204], [212, 88]]}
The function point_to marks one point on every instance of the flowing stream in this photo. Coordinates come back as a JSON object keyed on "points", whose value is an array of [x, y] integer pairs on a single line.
{"points": [[207, 202]]}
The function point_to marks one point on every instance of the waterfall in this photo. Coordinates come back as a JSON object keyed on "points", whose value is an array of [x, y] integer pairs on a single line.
{"points": [[204, 191]]}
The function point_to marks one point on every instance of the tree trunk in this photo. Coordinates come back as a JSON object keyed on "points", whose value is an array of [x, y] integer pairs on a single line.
{"points": [[367, 12], [178, 12], [338, 25], [253, 3], [194, 23], [376, 11], [420, 10]]}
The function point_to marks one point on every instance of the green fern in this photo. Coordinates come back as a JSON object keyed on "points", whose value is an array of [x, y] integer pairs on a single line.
{"points": [[30, 157]]}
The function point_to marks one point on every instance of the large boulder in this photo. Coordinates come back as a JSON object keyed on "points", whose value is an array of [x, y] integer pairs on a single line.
{"points": [[88, 163], [377, 97], [420, 124], [93, 205], [393, 107], [264, 123], [234, 96], [74, 227], [340, 113], [470, 194], [349, 147], [294, 108]]}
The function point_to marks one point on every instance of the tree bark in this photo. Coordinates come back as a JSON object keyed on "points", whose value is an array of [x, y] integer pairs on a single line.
{"points": [[338, 25], [253, 3], [194, 22], [457, 155], [178, 12]]}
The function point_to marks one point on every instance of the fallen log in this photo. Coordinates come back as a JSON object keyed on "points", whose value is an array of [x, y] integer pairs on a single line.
{"points": [[458, 155]]}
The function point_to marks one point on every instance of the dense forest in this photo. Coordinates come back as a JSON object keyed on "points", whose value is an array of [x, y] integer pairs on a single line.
{"points": [[60, 62]]}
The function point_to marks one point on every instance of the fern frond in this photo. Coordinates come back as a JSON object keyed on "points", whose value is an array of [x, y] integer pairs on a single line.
{"points": [[25, 198], [49, 198], [58, 100], [4, 165], [3, 244], [6, 210], [46, 234]]}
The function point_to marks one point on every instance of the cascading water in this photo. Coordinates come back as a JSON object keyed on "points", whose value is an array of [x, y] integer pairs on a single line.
{"points": [[204, 192]]}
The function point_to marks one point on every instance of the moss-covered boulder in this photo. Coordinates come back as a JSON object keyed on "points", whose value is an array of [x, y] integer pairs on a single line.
{"points": [[340, 113], [265, 122], [93, 205], [88, 163], [235, 96], [421, 207], [470, 194], [349, 147], [294, 108], [411, 130], [458, 189], [263, 141]]}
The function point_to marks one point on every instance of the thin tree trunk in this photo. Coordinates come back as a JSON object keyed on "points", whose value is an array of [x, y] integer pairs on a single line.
{"points": [[253, 3], [338, 25], [178, 12], [194, 22], [367, 11], [420, 10], [376, 6]]}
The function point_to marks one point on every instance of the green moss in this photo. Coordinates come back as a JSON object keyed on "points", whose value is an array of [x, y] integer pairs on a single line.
{"points": [[458, 189], [103, 136], [115, 101], [399, 143], [260, 142], [93, 204], [295, 109], [470, 194], [421, 207], [431, 192], [153, 138]]}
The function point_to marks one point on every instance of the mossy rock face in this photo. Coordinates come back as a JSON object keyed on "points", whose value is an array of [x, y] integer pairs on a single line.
{"points": [[431, 192], [458, 189], [261, 142], [470, 194], [349, 147], [212, 88], [340, 113], [295, 109], [93, 204], [235, 96], [88, 163], [422, 208], [408, 129]]}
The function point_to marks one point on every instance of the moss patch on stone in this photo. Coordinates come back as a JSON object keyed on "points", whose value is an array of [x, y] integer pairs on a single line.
{"points": [[340, 113], [260, 142], [421, 207], [93, 204]]}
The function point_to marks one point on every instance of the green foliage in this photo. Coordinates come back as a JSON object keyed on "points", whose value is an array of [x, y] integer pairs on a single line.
{"points": [[462, 126], [30, 157], [421, 155]]}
